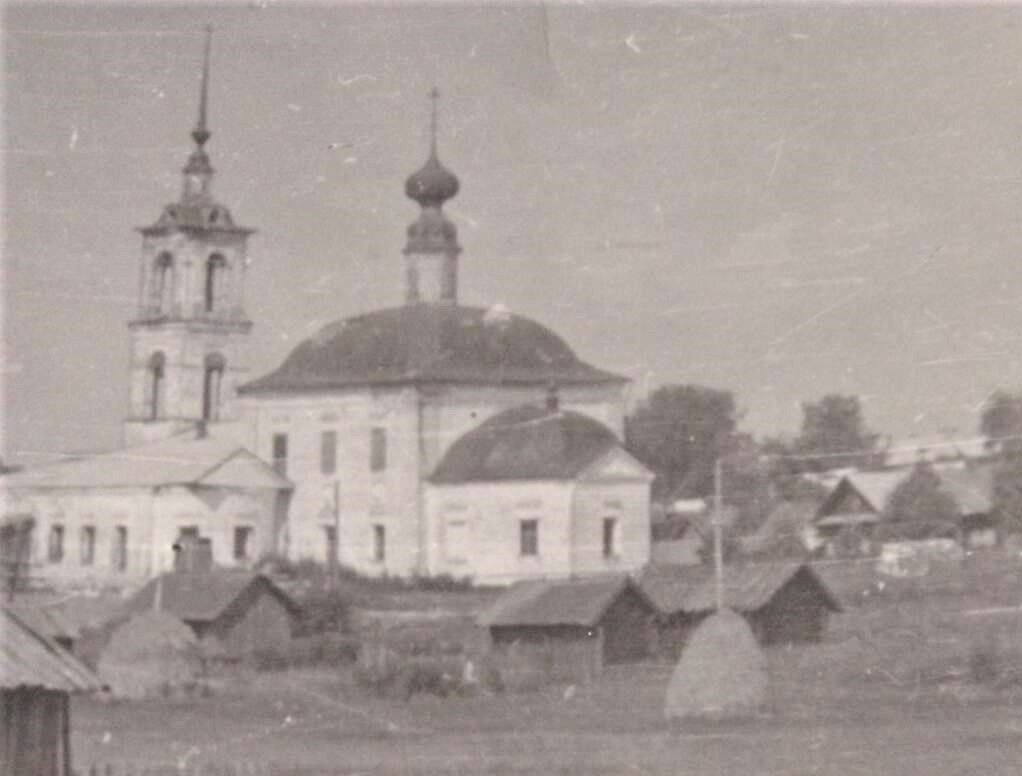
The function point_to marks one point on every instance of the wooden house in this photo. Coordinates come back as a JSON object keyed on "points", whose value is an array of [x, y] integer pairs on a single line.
{"points": [[238, 611], [37, 677], [784, 603], [593, 622]]}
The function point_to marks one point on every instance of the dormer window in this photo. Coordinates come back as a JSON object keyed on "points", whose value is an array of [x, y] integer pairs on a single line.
{"points": [[215, 268], [154, 398], [212, 379]]}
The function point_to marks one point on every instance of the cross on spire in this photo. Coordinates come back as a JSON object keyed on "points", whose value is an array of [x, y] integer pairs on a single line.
{"points": [[434, 95], [201, 134]]}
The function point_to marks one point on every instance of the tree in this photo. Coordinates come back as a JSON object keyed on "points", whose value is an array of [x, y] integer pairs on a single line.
{"points": [[678, 433], [834, 435], [1007, 493], [1001, 421], [919, 508]]}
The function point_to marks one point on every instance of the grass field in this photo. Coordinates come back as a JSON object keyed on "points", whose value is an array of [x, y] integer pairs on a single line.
{"points": [[920, 677]]}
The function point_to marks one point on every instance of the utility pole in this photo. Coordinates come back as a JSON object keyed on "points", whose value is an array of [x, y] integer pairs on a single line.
{"points": [[718, 542]]}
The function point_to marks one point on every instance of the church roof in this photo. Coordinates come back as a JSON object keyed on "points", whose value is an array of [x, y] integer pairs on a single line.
{"points": [[430, 343], [526, 443], [180, 460]]}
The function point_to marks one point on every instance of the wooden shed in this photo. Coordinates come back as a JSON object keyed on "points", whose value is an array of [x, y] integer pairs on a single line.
{"points": [[784, 603], [600, 620], [37, 677], [241, 612]]}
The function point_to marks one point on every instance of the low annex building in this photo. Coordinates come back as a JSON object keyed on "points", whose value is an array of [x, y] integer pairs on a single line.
{"points": [[115, 517], [538, 492]]}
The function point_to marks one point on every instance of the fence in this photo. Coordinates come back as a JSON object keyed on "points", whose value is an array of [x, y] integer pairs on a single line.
{"points": [[240, 768]]}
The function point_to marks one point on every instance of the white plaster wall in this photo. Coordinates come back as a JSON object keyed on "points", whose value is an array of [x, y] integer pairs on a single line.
{"points": [[626, 502]]}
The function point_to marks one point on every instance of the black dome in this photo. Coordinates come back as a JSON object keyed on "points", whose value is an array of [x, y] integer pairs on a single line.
{"points": [[430, 343]]}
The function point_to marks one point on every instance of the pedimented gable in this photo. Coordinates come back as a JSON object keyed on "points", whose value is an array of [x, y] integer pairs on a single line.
{"points": [[616, 464], [244, 470]]}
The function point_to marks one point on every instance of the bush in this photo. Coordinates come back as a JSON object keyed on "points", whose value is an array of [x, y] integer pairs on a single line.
{"points": [[324, 610], [389, 675], [323, 649]]}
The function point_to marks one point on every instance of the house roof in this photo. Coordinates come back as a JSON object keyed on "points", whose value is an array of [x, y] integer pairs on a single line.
{"points": [[47, 620], [430, 343], [581, 602], [30, 659], [971, 487], [746, 588], [200, 596], [180, 460], [526, 443]]}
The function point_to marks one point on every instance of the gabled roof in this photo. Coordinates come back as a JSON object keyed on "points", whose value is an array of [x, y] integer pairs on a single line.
{"points": [[875, 488], [581, 602], [201, 596], [972, 487], [30, 659], [180, 460], [47, 620], [526, 443], [692, 589], [430, 343]]}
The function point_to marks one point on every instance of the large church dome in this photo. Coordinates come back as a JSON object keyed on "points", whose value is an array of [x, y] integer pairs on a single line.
{"points": [[424, 343]]}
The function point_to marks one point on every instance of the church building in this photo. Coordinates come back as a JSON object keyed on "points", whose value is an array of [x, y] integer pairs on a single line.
{"points": [[396, 441]]}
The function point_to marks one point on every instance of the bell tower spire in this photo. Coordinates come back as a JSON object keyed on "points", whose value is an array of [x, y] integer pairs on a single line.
{"points": [[431, 253], [198, 172]]}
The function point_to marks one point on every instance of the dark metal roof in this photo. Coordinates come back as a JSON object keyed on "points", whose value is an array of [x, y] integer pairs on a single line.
{"points": [[30, 659], [526, 443], [200, 596], [581, 602], [691, 589], [430, 343]]}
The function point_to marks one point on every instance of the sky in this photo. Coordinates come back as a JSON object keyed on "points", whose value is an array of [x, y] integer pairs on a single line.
{"points": [[782, 201]]}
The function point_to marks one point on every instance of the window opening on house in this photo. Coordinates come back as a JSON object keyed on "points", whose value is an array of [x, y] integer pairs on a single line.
{"points": [[280, 454], [88, 545], [242, 538], [328, 452], [379, 543], [119, 559], [378, 450], [330, 541], [163, 282], [216, 266], [609, 537], [156, 371], [55, 546], [529, 537], [212, 379]]}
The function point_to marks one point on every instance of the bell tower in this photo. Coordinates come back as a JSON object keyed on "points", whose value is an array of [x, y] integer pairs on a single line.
{"points": [[431, 253], [189, 336]]}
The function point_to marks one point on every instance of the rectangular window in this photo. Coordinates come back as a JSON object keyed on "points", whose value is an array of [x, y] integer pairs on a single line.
{"points": [[88, 545], [242, 536], [330, 540], [379, 543], [609, 537], [378, 450], [328, 452], [280, 454], [55, 548], [529, 537], [119, 554]]}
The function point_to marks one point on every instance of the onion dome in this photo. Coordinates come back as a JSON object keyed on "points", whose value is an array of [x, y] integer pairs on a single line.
{"points": [[432, 185], [427, 343]]}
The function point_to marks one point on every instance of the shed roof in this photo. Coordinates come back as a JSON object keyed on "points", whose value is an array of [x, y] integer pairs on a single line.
{"points": [[746, 588], [30, 659], [201, 596], [180, 460], [526, 443], [47, 620], [581, 602]]}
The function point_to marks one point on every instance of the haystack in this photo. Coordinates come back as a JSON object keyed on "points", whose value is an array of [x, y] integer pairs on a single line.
{"points": [[722, 672], [152, 653]]}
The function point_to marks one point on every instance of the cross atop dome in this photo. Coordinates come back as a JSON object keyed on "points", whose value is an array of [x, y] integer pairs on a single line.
{"points": [[433, 184], [199, 172]]}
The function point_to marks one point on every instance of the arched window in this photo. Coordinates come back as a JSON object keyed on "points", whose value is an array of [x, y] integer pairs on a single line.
{"points": [[215, 268], [163, 282], [212, 378], [154, 396]]}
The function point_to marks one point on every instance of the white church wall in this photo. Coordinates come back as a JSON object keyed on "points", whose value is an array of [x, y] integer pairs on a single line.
{"points": [[624, 502], [476, 530]]}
